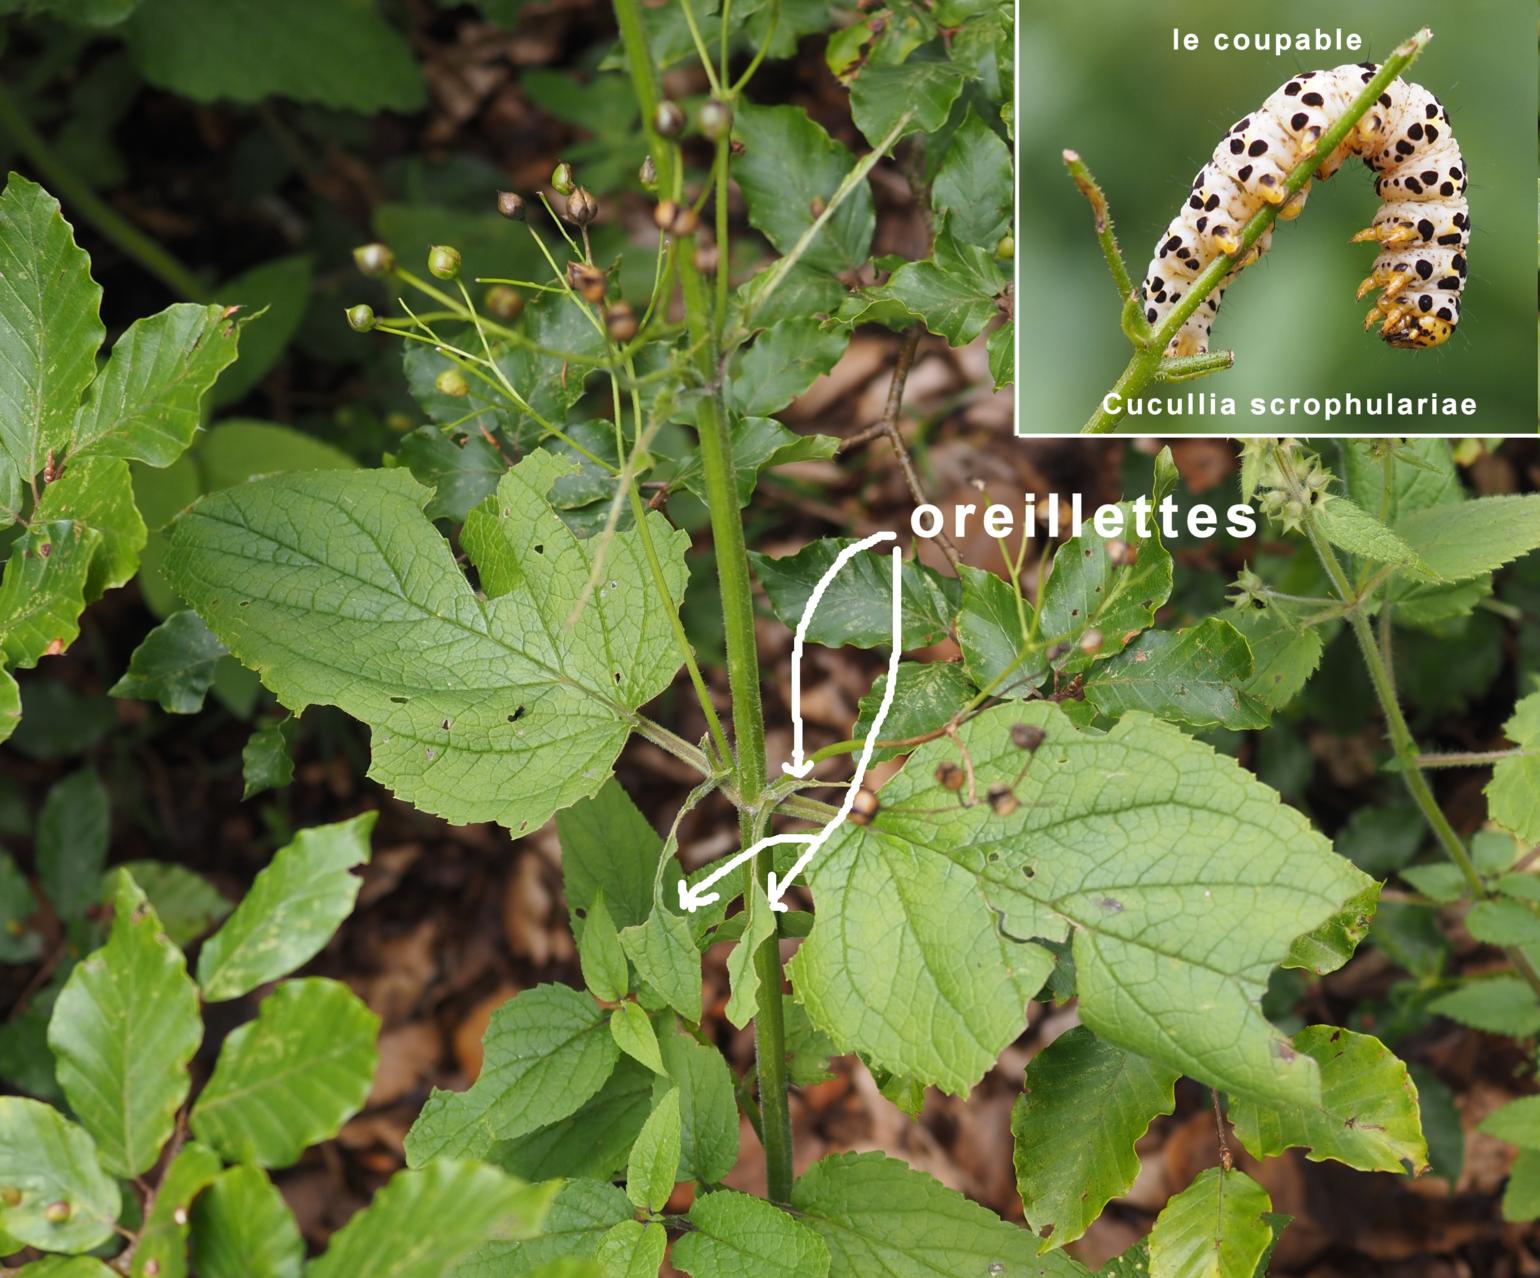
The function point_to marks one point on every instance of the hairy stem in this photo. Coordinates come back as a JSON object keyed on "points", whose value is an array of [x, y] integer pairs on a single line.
{"points": [[76, 194], [1145, 364]]}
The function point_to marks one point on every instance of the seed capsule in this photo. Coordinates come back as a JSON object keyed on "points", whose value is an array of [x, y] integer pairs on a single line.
{"points": [[57, 1213], [587, 281], [361, 318], [443, 262], [374, 259], [865, 807], [668, 120], [950, 775], [511, 205], [452, 382], [503, 303], [1027, 736], [620, 322], [562, 180], [582, 208], [1003, 800], [648, 175], [676, 219], [716, 118], [1005, 249]]}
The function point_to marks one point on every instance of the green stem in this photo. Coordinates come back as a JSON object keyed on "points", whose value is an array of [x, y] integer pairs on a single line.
{"points": [[73, 191], [1375, 652], [1144, 365], [705, 332]]}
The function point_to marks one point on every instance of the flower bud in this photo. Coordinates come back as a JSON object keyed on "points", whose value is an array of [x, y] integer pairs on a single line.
{"points": [[57, 1213], [562, 180], [817, 205], [582, 208], [950, 775], [648, 175], [1003, 800], [1005, 249], [587, 281], [511, 205], [443, 262], [668, 120], [374, 259], [452, 382], [620, 321], [503, 303], [864, 808], [716, 118], [676, 219], [1027, 736], [361, 318]]}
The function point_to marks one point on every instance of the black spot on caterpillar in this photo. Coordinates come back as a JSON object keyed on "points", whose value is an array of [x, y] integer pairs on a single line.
{"points": [[1422, 227]]}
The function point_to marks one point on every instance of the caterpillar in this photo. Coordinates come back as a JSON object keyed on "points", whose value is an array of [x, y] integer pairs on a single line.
{"points": [[1422, 226]]}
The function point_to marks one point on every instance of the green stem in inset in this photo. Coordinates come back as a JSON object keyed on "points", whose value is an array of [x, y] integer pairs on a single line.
{"points": [[74, 192], [1144, 366]]}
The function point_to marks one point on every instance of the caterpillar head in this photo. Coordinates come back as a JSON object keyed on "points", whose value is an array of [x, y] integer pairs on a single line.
{"points": [[1417, 331]]}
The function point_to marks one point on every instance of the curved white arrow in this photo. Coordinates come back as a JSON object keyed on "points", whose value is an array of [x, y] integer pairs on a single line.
{"points": [[693, 898], [799, 767]]}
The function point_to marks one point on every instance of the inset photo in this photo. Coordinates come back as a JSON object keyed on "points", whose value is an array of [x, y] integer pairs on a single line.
{"points": [[1238, 224]]}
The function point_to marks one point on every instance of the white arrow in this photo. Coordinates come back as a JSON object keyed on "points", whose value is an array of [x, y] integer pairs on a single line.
{"points": [[799, 766], [777, 888], [694, 898]]}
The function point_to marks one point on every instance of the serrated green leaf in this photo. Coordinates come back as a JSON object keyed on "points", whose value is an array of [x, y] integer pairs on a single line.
{"points": [[581, 1213], [736, 1236], [1503, 923], [266, 763], [277, 293], [43, 591], [974, 186], [382, 623], [708, 1108], [547, 1051], [1284, 654], [742, 976], [1367, 1116], [173, 665], [242, 1228], [1213, 1229], [123, 1031], [955, 292], [781, 363], [857, 606], [1465, 539], [1140, 841], [878, 1216], [99, 493], [10, 704], [338, 55], [608, 848], [290, 1078], [19, 941], [462, 474], [50, 329], [930, 695], [1329, 945], [70, 843], [1111, 585], [1393, 478], [1083, 1106], [634, 1035], [788, 163], [599, 953], [146, 403], [653, 1168], [65, 1267], [993, 624], [663, 952], [1513, 793], [50, 1160], [1521, 1196], [1197, 676], [291, 911], [594, 1140], [1001, 348], [425, 1222], [1499, 1005], [162, 1249], [1441, 1123], [632, 1249], [923, 86], [1350, 527], [759, 444]]}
